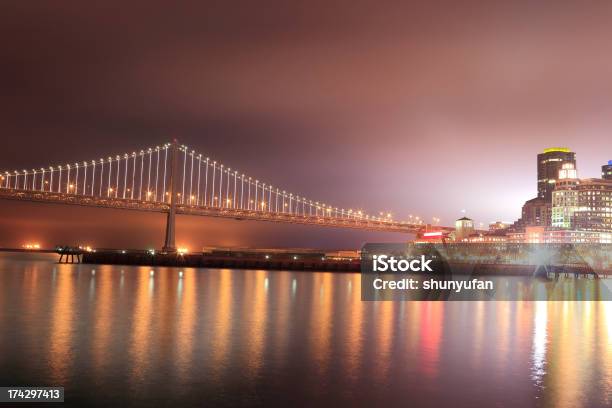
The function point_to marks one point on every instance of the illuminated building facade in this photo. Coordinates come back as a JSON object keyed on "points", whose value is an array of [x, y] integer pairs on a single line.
{"points": [[577, 237], [606, 171], [594, 211], [549, 164], [498, 226], [565, 197], [535, 213], [583, 205], [541, 235], [487, 238]]}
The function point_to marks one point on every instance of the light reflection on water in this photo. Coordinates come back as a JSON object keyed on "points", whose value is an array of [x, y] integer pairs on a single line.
{"points": [[231, 337], [539, 342]]}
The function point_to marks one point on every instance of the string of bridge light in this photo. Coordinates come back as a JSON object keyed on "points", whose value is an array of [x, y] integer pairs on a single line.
{"points": [[113, 177], [231, 189], [144, 176]]}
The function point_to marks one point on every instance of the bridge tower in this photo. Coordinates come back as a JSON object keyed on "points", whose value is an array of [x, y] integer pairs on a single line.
{"points": [[169, 244]]}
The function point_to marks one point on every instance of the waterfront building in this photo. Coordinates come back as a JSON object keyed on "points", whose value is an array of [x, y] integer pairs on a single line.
{"points": [[435, 237], [535, 235], [578, 211], [549, 163], [498, 225], [535, 212], [565, 197], [606, 171], [464, 227], [581, 205], [494, 237], [594, 212], [577, 237], [542, 235]]}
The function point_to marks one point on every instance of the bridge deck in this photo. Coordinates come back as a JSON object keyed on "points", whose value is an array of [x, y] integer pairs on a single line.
{"points": [[207, 211]]}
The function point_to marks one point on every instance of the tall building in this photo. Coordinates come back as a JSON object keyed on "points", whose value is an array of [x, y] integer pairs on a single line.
{"points": [[535, 213], [594, 211], [565, 197], [582, 205], [549, 164], [579, 210], [606, 171]]}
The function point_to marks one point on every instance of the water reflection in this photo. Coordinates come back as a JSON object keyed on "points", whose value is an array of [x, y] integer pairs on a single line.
{"points": [[321, 309], [141, 333], [220, 292], [186, 316], [433, 338], [282, 309], [102, 317], [255, 313], [260, 337], [352, 337], [540, 338], [62, 325]]}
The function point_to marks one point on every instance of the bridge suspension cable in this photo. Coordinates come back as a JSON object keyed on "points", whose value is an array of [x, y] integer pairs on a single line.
{"points": [[201, 182]]}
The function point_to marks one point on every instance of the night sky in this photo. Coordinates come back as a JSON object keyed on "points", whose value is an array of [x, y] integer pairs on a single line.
{"points": [[415, 109]]}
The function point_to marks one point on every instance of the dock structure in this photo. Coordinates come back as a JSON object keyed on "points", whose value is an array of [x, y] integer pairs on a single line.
{"points": [[466, 259], [70, 255], [302, 261]]}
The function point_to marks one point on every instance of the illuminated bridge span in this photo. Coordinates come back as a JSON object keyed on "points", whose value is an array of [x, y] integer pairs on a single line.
{"points": [[176, 180]]}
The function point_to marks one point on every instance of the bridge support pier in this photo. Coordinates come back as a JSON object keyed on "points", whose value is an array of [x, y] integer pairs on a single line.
{"points": [[169, 243]]}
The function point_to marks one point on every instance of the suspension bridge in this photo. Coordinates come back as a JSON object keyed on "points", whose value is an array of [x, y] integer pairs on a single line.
{"points": [[174, 179]]}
